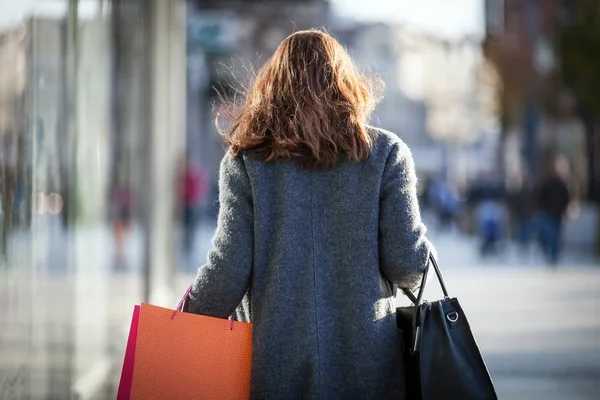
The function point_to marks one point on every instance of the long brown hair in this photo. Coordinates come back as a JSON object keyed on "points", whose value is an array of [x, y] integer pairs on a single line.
{"points": [[309, 103]]}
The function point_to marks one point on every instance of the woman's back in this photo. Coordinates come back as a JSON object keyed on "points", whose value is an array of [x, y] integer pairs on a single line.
{"points": [[324, 246]]}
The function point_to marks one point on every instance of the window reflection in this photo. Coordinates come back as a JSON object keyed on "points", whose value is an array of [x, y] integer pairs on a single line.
{"points": [[75, 122]]}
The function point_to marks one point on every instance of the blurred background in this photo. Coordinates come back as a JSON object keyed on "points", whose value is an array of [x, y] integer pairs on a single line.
{"points": [[109, 163]]}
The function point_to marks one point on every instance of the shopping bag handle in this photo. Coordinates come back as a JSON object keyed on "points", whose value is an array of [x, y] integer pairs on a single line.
{"points": [[181, 304]]}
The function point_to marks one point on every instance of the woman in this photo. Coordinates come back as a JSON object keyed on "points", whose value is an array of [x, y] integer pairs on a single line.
{"points": [[318, 215]]}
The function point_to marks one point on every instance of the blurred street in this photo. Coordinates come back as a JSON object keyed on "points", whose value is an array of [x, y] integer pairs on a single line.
{"points": [[539, 330], [538, 327], [110, 160]]}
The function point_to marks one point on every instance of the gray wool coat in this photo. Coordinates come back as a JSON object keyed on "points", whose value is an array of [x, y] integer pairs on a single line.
{"points": [[312, 254]]}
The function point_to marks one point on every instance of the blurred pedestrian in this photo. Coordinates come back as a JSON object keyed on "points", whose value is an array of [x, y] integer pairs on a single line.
{"points": [[491, 223], [121, 209], [445, 202], [318, 216], [423, 190], [193, 188], [522, 205], [553, 201]]}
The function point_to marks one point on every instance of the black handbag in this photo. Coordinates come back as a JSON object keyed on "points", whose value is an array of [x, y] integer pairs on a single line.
{"points": [[441, 359]]}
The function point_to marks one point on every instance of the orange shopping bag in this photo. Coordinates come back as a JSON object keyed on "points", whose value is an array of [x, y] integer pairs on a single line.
{"points": [[178, 355]]}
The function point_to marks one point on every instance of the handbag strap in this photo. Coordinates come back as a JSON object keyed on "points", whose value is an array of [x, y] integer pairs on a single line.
{"points": [[421, 309], [419, 297]]}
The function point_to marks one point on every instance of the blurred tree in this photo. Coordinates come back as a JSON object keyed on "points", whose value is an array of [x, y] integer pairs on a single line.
{"points": [[578, 51], [578, 45]]}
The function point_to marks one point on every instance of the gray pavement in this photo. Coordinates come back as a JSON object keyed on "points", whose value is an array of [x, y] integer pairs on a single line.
{"points": [[538, 328]]}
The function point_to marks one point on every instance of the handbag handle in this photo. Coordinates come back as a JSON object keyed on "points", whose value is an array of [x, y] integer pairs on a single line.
{"points": [[417, 299], [419, 314]]}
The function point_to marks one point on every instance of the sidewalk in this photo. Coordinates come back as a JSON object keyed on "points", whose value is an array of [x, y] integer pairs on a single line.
{"points": [[539, 329]]}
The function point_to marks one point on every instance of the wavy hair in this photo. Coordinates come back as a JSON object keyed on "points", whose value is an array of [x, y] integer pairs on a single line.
{"points": [[309, 104]]}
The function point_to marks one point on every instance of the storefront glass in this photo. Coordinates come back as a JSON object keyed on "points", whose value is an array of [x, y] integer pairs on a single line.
{"points": [[74, 117]]}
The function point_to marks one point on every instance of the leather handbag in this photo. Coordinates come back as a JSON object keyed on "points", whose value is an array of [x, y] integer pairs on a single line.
{"points": [[441, 359]]}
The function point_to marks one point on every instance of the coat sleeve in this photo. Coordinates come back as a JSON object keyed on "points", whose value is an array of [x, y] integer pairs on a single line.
{"points": [[403, 248], [221, 284]]}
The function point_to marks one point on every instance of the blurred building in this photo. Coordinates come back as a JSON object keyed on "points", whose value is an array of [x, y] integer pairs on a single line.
{"points": [[540, 116], [90, 90], [13, 126], [378, 49], [228, 40], [438, 96]]}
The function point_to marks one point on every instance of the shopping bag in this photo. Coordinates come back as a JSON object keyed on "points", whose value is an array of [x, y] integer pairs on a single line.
{"points": [[179, 355], [124, 392]]}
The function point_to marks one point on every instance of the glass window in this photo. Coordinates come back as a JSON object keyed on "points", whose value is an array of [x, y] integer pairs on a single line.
{"points": [[74, 129]]}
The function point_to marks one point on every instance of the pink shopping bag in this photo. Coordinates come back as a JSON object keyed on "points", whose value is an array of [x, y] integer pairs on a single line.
{"points": [[126, 382]]}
